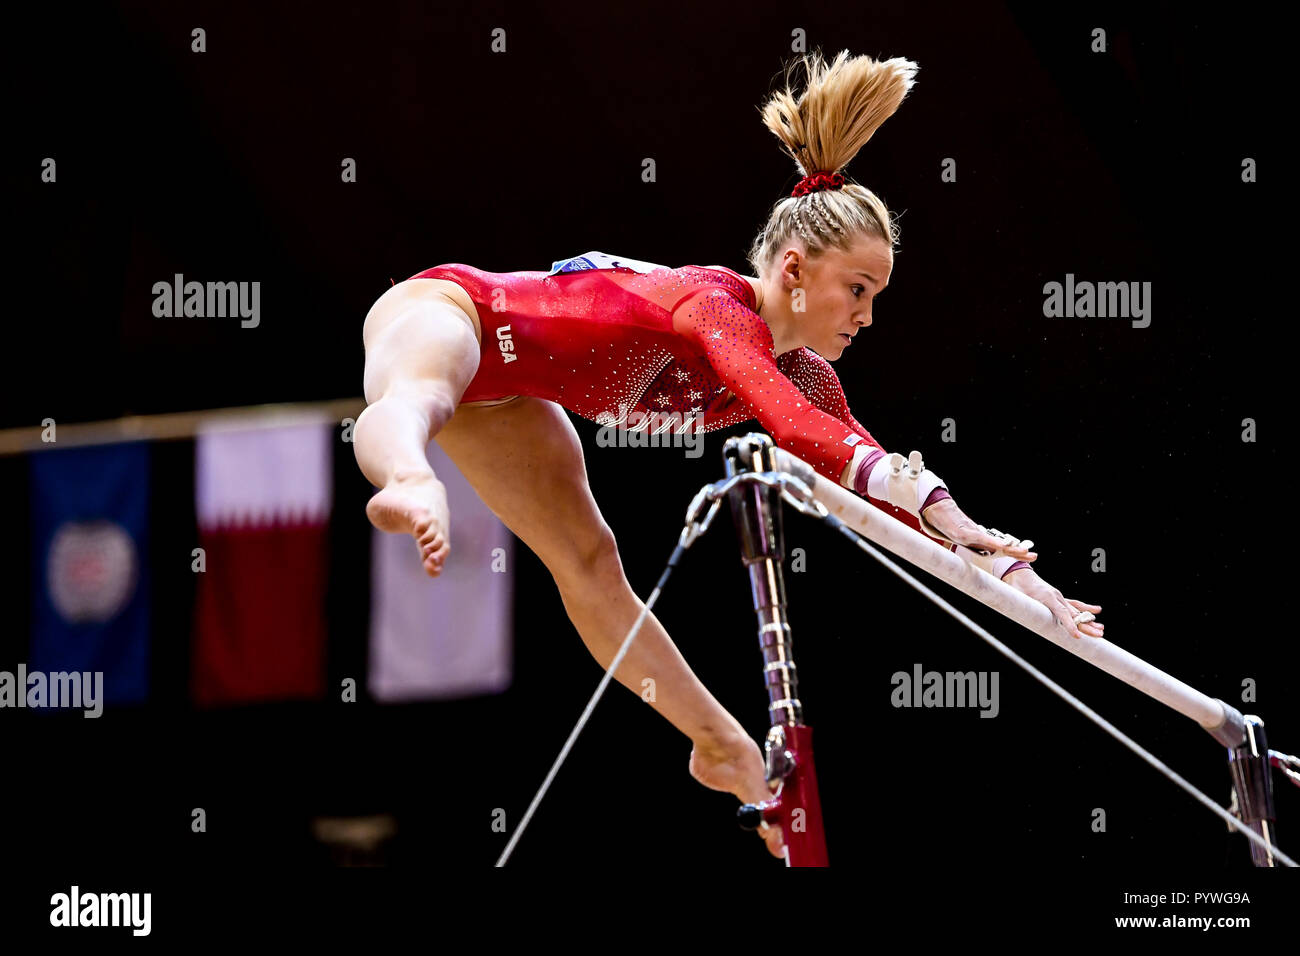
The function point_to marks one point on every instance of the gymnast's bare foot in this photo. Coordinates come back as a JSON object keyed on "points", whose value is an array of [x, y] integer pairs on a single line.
{"points": [[415, 505]]}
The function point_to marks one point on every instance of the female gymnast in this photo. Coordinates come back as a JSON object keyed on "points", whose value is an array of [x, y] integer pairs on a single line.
{"points": [[485, 364]]}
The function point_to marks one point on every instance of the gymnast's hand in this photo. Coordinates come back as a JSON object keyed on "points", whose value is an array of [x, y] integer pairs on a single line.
{"points": [[960, 529], [736, 766], [1027, 581]]}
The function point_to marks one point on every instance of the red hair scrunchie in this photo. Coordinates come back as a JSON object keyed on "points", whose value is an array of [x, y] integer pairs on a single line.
{"points": [[818, 181]]}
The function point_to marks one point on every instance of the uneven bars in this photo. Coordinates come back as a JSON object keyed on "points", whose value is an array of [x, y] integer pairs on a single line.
{"points": [[1222, 721]]}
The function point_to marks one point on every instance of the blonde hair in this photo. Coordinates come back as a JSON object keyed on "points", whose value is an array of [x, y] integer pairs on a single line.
{"points": [[822, 128]]}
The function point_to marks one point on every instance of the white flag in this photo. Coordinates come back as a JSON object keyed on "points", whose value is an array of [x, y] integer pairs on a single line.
{"points": [[449, 636]]}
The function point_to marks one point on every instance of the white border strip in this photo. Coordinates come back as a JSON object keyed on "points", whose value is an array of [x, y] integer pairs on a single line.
{"points": [[15, 441]]}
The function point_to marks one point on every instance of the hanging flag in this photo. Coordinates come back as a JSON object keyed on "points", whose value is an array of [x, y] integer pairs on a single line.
{"points": [[449, 636], [263, 498], [90, 568]]}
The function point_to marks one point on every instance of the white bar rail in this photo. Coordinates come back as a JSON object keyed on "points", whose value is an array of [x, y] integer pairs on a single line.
{"points": [[1221, 720]]}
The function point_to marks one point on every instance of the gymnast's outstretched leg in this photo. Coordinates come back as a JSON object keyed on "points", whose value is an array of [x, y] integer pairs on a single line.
{"points": [[525, 460], [422, 350]]}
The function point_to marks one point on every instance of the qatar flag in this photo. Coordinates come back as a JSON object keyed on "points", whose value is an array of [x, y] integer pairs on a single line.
{"points": [[263, 496]]}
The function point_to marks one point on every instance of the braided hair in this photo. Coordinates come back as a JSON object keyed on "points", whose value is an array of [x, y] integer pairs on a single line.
{"points": [[822, 128]]}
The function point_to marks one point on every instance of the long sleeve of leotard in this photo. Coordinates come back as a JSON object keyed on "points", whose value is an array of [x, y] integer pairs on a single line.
{"points": [[810, 419], [813, 376], [739, 346]]}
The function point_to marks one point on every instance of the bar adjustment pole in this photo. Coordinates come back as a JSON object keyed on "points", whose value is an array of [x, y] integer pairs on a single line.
{"points": [[757, 512]]}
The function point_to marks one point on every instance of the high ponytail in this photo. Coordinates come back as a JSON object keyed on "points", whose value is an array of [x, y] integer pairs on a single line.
{"points": [[822, 127]]}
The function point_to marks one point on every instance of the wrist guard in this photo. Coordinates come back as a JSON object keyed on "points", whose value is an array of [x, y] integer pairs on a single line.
{"points": [[997, 565], [904, 482]]}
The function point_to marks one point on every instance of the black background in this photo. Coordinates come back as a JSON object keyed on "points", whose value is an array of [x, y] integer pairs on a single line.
{"points": [[1082, 434]]}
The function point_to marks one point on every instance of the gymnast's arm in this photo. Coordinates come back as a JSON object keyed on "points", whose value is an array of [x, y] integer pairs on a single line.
{"points": [[815, 377], [868, 474], [738, 345], [809, 418]]}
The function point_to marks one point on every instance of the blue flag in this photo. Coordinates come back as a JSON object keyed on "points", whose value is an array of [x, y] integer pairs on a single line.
{"points": [[90, 571]]}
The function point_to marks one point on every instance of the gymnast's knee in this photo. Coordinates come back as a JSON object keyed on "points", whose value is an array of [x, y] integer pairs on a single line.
{"points": [[430, 401], [590, 564]]}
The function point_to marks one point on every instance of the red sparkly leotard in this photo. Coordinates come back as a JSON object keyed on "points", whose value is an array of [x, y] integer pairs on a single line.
{"points": [[607, 342]]}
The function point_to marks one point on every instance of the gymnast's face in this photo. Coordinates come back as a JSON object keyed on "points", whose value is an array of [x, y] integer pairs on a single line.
{"points": [[838, 289]]}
